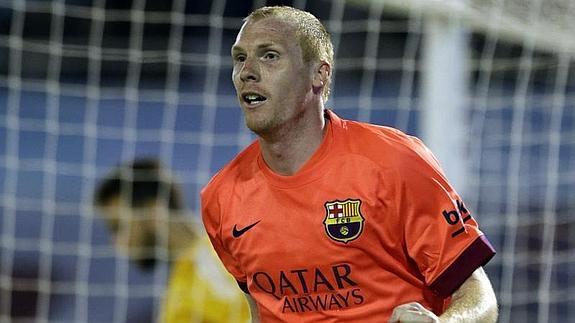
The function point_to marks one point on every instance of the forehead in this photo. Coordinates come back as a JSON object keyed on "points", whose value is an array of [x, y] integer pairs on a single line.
{"points": [[270, 30]]}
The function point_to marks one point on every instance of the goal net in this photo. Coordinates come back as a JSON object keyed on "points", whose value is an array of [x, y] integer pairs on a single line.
{"points": [[88, 84]]}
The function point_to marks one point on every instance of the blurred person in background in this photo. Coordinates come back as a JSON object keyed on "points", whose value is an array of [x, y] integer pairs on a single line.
{"points": [[143, 208]]}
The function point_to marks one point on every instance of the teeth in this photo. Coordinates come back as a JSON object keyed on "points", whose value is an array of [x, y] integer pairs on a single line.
{"points": [[250, 98]]}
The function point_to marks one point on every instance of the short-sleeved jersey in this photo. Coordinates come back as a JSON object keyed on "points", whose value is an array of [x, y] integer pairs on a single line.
{"points": [[368, 223], [200, 290]]}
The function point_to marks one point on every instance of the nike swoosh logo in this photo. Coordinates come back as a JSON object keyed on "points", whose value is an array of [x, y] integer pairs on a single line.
{"points": [[238, 232]]}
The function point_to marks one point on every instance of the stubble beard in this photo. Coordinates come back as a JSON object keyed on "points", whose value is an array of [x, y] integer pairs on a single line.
{"points": [[261, 125], [260, 128]]}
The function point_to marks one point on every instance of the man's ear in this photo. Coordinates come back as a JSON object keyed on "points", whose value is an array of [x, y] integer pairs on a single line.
{"points": [[321, 76]]}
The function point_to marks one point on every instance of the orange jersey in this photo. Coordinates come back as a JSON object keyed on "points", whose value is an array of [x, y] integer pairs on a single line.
{"points": [[368, 223]]}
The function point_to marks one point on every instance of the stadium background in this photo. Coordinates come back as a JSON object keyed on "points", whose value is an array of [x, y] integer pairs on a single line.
{"points": [[87, 84]]}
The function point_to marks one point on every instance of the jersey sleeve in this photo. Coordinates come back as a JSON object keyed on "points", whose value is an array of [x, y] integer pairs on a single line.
{"points": [[211, 216], [440, 234]]}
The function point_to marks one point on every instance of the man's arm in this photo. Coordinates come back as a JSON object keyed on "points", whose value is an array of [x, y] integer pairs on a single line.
{"points": [[253, 309], [474, 301]]}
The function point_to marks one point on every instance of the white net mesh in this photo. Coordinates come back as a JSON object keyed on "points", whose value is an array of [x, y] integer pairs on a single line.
{"points": [[86, 84], [548, 24]]}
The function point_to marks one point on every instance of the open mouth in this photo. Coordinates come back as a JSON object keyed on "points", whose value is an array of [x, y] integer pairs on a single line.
{"points": [[253, 99]]}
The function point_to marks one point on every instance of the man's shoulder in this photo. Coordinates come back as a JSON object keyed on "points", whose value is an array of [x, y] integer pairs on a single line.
{"points": [[379, 142], [394, 149], [242, 165], [377, 132]]}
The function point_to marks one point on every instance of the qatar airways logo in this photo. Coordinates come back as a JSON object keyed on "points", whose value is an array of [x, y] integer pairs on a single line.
{"points": [[313, 289]]}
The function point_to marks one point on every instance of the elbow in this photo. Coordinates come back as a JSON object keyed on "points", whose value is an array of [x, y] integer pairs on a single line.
{"points": [[492, 310], [487, 307]]}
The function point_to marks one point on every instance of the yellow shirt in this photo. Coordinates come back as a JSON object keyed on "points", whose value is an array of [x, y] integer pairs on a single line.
{"points": [[201, 290]]}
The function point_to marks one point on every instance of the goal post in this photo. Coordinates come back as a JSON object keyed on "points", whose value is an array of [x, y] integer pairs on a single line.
{"points": [[444, 91]]}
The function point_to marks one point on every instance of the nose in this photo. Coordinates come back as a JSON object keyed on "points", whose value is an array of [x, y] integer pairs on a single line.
{"points": [[250, 71]]}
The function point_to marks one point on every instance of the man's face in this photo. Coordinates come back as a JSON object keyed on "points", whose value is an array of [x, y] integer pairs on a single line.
{"points": [[133, 231], [272, 81]]}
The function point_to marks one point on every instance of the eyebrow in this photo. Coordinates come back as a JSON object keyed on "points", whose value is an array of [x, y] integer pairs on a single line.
{"points": [[237, 48]]}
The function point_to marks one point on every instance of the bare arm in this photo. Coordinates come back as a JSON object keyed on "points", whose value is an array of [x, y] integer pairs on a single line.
{"points": [[253, 309], [474, 301]]}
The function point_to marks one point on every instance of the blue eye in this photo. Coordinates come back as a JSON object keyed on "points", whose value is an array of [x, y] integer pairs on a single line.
{"points": [[271, 55]]}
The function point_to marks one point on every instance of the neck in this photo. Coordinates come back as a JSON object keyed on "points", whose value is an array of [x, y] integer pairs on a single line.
{"points": [[181, 236], [287, 151]]}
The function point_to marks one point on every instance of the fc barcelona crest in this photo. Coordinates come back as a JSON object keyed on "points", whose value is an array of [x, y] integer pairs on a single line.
{"points": [[343, 220]]}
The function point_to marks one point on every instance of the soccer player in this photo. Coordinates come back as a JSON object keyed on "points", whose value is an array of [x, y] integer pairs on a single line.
{"points": [[326, 219], [142, 205]]}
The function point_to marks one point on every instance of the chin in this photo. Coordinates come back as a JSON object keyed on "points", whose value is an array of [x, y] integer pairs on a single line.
{"points": [[263, 124], [257, 126], [147, 264]]}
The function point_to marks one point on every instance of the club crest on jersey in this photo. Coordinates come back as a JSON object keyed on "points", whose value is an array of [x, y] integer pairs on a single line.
{"points": [[343, 220]]}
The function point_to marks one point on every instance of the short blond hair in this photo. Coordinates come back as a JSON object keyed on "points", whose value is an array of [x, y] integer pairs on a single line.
{"points": [[314, 39]]}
